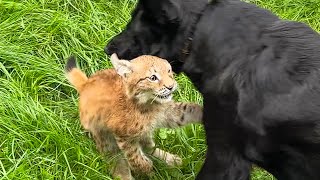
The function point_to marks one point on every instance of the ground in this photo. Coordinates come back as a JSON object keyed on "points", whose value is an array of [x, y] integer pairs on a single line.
{"points": [[40, 133]]}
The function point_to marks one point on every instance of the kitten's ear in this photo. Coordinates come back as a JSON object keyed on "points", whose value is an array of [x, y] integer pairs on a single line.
{"points": [[122, 67]]}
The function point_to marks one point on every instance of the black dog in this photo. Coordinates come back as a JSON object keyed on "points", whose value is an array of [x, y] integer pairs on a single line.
{"points": [[259, 76]]}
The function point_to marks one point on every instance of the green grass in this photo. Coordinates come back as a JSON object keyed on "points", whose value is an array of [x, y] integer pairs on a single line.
{"points": [[40, 133]]}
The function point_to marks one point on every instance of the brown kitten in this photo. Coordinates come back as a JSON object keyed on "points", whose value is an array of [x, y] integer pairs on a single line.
{"points": [[122, 107]]}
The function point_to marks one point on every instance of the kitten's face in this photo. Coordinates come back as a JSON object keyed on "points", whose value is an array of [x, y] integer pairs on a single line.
{"points": [[149, 79]]}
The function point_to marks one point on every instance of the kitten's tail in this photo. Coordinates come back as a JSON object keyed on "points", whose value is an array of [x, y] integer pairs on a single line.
{"points": [[75, 76]]}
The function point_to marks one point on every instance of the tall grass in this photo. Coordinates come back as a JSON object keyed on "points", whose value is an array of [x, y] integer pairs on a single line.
{"points": [[40, 134]]}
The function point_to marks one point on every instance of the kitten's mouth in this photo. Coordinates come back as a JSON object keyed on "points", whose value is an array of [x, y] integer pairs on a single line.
{"points": [[164, 98], [168, 96]]}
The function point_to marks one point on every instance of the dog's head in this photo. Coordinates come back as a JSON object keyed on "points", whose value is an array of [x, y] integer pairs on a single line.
{"points": [[157, 27]]}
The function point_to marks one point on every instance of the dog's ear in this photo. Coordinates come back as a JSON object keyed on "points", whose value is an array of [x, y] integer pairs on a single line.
{"points": [[123, 67], [166, 11]]}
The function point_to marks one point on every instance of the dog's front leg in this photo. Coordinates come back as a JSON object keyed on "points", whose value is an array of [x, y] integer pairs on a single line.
{"points": [[225, 140], [223, 164]]}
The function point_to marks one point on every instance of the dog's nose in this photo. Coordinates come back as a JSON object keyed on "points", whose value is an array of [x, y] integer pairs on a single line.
{"points": [[110, 49]]}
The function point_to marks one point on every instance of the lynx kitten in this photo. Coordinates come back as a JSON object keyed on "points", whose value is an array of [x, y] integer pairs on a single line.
{"points": [[122, 107]]}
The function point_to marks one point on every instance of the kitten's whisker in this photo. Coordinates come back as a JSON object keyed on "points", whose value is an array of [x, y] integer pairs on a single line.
{"points": [[154, 98]]}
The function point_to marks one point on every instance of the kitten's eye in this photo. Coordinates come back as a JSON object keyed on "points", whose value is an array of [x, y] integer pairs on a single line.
{"points": [[169, 71], [153, 78]]}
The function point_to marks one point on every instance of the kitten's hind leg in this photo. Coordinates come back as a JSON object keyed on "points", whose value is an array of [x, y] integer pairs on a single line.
{"points": [[122, 169], [149, 146], [106, 142], [138, 161]]}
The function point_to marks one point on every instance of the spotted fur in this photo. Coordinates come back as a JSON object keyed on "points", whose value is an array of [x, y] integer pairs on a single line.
{"points": [[123, 106]]}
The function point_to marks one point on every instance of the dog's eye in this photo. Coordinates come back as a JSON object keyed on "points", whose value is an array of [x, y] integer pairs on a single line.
{"points": [[153, 78]]}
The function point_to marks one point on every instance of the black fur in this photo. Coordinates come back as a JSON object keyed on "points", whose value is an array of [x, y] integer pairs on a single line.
{"points": [[259, 77], [71, 63]]}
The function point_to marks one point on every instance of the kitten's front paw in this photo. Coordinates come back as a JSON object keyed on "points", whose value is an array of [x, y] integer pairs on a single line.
{"points": [[173, 160]]}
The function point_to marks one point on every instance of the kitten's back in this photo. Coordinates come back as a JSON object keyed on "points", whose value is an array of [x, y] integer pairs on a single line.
{"points": [[100, 92]]}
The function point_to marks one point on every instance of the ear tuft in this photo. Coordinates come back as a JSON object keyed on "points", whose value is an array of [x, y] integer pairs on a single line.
{"points": [[122, 67]]}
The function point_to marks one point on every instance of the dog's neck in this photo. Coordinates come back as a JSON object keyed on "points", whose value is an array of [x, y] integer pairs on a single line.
{"points": [[187, 46]]}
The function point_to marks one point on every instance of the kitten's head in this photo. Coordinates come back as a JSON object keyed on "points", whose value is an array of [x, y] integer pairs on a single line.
{"points": [[147, 78]]}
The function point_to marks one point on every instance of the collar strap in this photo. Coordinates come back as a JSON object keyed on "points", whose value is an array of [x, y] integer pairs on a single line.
{"points": [[188, 42]]}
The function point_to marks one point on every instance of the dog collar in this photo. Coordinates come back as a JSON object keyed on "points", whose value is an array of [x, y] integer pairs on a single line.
{"points": [[188, 42]]}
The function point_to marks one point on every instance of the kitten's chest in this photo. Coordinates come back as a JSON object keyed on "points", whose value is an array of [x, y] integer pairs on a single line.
{"points": [[152, 118], [137, 123]]}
